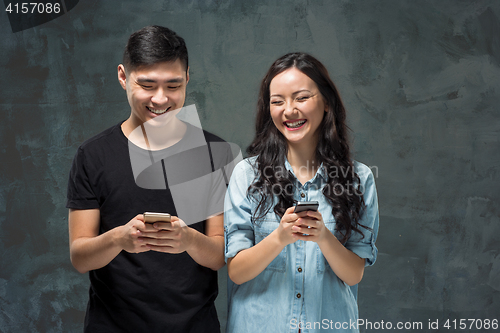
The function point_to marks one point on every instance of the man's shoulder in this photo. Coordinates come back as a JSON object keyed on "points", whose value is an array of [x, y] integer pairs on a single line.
{"points": [[219, 148], [210, 137], [96, 140], [222, 153]]}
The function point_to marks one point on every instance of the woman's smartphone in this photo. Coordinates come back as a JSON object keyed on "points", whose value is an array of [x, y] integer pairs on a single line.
{"points": [[156, 217], [301, 206]]}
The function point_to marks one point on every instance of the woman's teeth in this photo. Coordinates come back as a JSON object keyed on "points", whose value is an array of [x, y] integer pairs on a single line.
{"points": [[295, 124], [157, 111]]}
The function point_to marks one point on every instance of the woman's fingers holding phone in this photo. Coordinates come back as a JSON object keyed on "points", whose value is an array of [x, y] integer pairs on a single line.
{"points": [[310, 226], [284, 230], [289, 216]]}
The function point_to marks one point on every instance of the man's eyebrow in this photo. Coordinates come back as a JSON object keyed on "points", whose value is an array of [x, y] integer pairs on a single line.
{"points": [[148, 80]]}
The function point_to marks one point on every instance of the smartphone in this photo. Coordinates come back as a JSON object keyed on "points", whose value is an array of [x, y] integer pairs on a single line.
{"points": [[301, 206], [156, 217]]}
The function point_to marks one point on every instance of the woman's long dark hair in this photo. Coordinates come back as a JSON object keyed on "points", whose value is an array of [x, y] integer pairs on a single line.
{"points": [[270, 147]]}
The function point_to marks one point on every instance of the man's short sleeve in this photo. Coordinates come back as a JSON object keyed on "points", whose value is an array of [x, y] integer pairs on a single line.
{"points": [[223, 163], [80, 194], [364, 244]]}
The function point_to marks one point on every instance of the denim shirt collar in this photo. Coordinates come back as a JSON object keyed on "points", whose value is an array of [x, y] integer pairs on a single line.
{"points": [[320, 172]]}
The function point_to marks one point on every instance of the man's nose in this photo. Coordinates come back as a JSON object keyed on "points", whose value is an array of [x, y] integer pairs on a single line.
{"points": [[159, 97]]}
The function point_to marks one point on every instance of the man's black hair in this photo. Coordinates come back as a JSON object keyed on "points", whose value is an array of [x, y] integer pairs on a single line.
{"points": [[154, 44]]}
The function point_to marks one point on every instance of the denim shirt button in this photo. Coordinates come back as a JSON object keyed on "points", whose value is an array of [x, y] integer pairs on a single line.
{"points": [[302, 195], [299, 269], [299, 295]]}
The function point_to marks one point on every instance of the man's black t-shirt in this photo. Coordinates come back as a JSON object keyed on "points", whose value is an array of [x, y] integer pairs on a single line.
{"points": [[145, 292]]}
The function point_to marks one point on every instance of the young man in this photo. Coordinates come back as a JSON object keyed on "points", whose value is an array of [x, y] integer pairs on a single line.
{"points": [[144, 277]]}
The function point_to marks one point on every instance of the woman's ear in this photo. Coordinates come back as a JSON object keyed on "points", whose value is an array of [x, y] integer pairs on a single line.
{"points": [[325, 102]]}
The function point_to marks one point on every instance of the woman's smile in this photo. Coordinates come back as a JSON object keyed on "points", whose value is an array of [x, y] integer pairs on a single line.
{"points": [[293, 125]]}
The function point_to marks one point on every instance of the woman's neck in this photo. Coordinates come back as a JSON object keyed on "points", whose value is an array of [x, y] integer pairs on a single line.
{"points": [[303, 162]]}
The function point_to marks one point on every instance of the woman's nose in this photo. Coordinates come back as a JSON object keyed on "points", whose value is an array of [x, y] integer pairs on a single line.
{"points": [[290, 108]]}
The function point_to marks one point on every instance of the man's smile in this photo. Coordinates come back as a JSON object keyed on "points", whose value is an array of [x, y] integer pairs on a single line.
{"points": [[157, 111]]}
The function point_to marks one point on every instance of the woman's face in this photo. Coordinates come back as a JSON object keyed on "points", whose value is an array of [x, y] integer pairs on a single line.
{"points": [[297, 107]]}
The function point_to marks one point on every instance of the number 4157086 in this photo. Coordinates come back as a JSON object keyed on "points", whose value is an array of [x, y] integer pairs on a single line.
{"points": [[471, 324], [33, 7]]}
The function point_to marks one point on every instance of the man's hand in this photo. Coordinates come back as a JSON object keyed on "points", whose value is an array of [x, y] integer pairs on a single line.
{"points": [[129, 237], [168, 237], [90, 250]]}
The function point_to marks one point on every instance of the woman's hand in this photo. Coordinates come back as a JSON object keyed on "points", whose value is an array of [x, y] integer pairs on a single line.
{"points": [[286, 234], [310, 227]]}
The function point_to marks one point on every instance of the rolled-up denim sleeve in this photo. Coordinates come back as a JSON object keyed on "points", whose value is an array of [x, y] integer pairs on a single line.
{"points": [[238, 228], [364, 245]]}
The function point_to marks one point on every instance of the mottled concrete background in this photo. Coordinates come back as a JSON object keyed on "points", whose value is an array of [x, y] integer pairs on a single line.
{"points": [[420, 80]]}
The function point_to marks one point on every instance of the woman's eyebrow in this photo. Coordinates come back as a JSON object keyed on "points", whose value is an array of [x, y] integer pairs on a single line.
{"points": [[302, 90], [295, 93]]}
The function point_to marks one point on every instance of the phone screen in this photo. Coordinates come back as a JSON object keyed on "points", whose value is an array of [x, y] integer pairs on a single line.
{"points": [[306, 205]]}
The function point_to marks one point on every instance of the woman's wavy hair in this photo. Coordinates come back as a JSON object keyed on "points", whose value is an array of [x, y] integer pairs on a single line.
{"points": [[270, 147]]}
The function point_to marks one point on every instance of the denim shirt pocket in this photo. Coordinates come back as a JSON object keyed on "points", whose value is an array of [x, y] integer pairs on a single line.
{"points": [[321, 262], [262, 228]]}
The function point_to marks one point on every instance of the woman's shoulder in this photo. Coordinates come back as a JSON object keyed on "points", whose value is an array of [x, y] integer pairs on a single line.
{"points": [[364, 172], [246, 167], [247, 164]]}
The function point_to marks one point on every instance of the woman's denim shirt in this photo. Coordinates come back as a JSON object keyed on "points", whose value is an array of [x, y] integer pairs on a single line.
{"points": [[298, 289]]}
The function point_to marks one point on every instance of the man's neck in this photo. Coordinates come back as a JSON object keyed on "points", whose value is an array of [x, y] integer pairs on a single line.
{"points": [[153, 135]]}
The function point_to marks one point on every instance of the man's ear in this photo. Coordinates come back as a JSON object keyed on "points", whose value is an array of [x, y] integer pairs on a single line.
{"points": [[187, 75], [122, 76]]}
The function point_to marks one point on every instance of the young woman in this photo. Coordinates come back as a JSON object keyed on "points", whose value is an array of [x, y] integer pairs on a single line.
{"points": [[297, 272]]}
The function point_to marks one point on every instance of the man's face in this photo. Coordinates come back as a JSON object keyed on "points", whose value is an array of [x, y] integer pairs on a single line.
{"points": [[154, 90]]}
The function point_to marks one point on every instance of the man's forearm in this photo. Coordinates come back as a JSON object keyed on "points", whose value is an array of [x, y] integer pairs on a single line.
{"points": [[207, 251], [89, 253]]}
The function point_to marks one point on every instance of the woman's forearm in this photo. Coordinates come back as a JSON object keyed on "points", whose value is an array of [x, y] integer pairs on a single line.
{"points": [[249, 263], [347, 265]]}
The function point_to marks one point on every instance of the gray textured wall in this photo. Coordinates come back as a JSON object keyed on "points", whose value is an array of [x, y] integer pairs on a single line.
{"points": [[420, 80]]}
